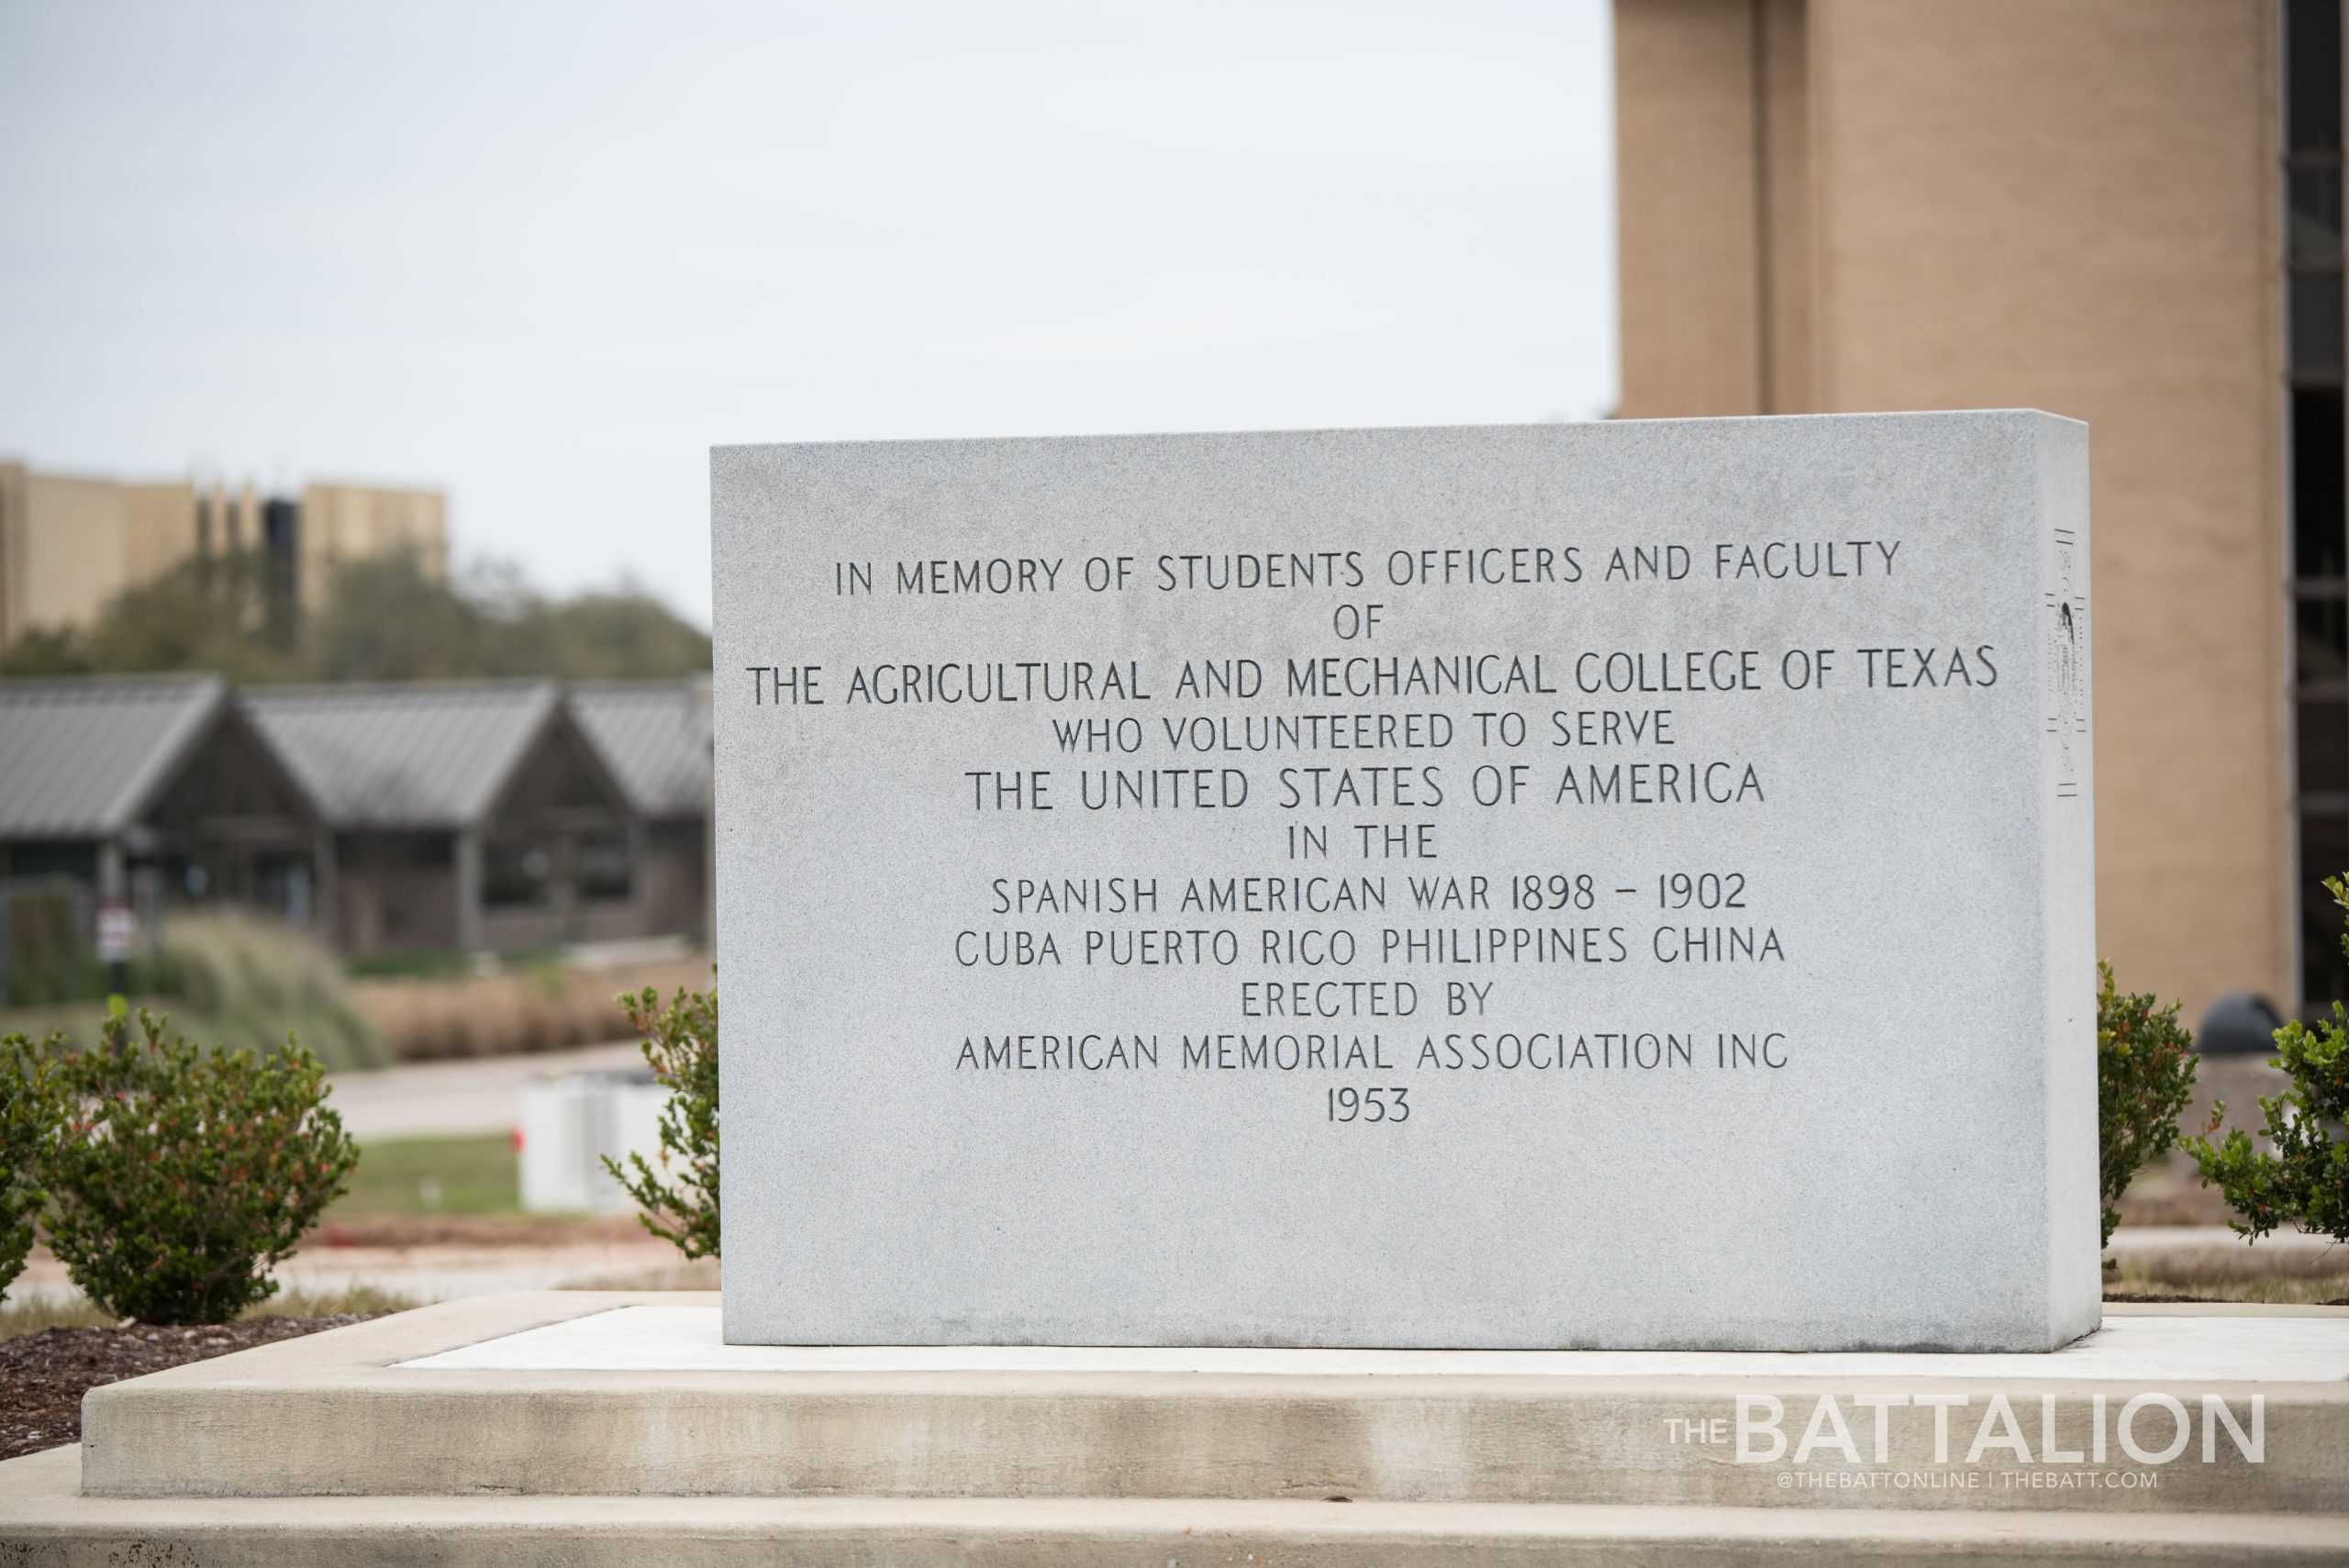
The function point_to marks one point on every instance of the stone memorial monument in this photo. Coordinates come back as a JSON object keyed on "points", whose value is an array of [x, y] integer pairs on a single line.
{"points": [[1336, 997], [1570, 886]]}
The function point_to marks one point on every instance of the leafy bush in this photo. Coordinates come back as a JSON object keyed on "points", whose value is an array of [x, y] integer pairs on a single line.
{"points": [[681, 1047], [2144, 1072], [182, 1176], [2306, 1180], [30, 1115]]}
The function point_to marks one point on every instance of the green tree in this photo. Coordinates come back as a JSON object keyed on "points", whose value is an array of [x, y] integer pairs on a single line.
{"points": [[386, 618], [47, 651], [202, 615], [2144, 1069], [383, 618], [2302, 1178], [623, 634]]}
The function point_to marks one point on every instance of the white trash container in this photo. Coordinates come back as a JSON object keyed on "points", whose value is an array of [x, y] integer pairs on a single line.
{"points": [[569, 1122]]}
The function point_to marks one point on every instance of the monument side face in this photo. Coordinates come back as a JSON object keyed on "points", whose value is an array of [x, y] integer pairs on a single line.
{"points": [[2068, 844], [1608, 885]]}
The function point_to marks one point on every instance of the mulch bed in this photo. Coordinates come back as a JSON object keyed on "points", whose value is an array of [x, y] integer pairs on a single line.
{"points": [[2197, 1300], [44, 1376], [475, 1230]]}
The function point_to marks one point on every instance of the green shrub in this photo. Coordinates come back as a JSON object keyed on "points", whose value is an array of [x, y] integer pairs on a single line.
{"points": [[30, 1115], [681, 1047], [2305, 1180], [2144, 1075], [182, 1176]]}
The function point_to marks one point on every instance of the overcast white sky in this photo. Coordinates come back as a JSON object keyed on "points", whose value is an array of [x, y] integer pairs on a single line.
{"points": [[544, 255]]}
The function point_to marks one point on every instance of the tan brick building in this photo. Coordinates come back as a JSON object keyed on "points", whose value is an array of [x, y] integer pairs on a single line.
{"points": [[70, 543], [2079, 205]]}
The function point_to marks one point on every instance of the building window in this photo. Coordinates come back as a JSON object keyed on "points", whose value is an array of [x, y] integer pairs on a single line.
{"points": [[34, 860], [281, 534], [600, 870], [516, 876], [2320, 493]]}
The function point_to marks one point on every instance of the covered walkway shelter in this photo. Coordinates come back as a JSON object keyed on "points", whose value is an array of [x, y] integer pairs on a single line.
{"points": [[654, 736], [465, 816], [154, 791]]}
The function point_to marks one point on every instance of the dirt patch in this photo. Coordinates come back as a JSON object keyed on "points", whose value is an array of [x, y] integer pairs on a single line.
{"points": [[699, 1274], [44, 1376], [475, 1230], [2168, 1195]]}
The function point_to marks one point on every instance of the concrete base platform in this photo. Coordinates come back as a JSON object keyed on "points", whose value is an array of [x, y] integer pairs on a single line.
{"points": [[546, 1394], [575, 1428], [44, 1523]]}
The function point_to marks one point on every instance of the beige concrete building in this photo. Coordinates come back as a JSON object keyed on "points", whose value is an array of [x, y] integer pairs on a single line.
{"points": [[350, 522], [2079, 205], [70, 543]]}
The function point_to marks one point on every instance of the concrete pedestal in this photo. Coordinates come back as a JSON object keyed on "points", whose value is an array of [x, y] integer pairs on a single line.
{"points": [[593, 1427]]}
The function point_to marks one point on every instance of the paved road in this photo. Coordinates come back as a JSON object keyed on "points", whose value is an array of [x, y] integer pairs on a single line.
{"points": [[439, 1098]]}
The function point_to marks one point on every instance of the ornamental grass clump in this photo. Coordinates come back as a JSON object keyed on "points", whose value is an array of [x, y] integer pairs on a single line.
{"points": [[29, 1120], [681, 1047], [181, 1176], [254, 980], [2302, 1176], [2144, 1069]]}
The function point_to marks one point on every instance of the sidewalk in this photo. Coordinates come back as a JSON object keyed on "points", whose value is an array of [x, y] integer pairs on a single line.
{"points": [[429, 1273], [434, 1099]]}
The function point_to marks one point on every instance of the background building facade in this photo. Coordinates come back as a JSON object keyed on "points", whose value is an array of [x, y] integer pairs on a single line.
{"points": [[1844, 204], [68, 543]]}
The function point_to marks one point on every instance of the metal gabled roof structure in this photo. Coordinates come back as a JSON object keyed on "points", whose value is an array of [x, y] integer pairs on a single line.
{"points": [[82, 758], [655, 738], [414, 755]]}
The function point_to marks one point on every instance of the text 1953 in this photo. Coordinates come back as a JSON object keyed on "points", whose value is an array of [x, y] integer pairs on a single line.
{"points": [[1369, 1105]]}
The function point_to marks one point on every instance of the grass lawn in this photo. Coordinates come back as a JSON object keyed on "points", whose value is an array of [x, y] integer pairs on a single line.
{"points": [[470, 1175]]}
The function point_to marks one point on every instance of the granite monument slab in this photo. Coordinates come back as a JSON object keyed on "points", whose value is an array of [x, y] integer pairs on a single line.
{"points": [[1614, 885]]}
